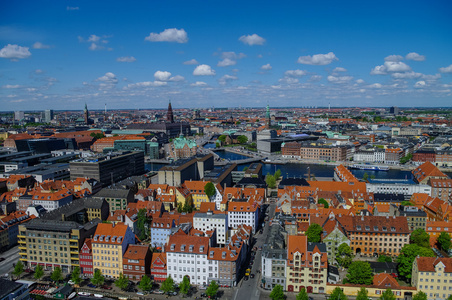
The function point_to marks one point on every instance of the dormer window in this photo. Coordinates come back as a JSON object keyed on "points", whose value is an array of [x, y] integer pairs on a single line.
{"points": [[384, 228], [392, 228], [190, 248], [223, 255], [182, 248], [367, 228], [173, 247], [211, 254], [375, 228], [201, 249], [358, 227]]}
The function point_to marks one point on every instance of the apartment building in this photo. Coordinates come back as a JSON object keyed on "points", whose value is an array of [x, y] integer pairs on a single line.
{"points": [[243, 212], [116, 198], [307, 265], [441, 188], [161, 228], [290, 150], [212, 220], [433, 276], [323, 153], [274, 258], [109, 243], [416, 218], [427, 170], [434, 229], [137, 262], [86, 258], [158, 267], [9, 228], [393, 156]]}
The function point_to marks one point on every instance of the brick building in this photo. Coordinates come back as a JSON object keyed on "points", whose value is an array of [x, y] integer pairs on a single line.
{"points": [[136, 262]]}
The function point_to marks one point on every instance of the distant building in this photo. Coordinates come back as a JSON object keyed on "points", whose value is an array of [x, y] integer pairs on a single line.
{"points": [[394, 110], [185, 169], [19, 115], [48, 115]]}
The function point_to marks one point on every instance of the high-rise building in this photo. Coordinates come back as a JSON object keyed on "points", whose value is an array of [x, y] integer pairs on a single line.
{"points": [[394, 110], [48, 115], [19, 115]]}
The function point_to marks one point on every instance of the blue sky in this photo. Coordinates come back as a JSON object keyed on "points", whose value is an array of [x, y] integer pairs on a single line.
{"points": [[141, 54]]}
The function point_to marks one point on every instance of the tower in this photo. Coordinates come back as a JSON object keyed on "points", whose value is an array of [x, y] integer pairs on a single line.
{"points": [[86, 114], [267, 118], [169, 114]]}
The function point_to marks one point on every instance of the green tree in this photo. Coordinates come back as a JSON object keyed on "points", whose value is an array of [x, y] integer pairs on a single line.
{"points": [[444, 241], [271, 181], [365, 176], [407, 203], [242, 139], [145, 283], [360, 272], [303, 295], [384, 258], [407, 256], [18, 269], [122, 282], [449, 298], [209, 189], [277, 174], [388, 295], [344, 255], [324, 202], [277, 293], [338, 294], [420, 296], [222, 138], [142, 224], [314, 233], [362, 294], [57, 275], [420, 238], [39, 272], [168, 285], [98, 278], [185, 286], [75, 277], [212, 290]]}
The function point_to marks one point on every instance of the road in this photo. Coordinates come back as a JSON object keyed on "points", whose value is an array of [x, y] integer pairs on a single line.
{"points": [[11, 257]]}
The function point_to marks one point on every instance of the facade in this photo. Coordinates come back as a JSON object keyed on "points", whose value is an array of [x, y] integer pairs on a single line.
{"points": [[393, 156], [185, 170], [328, 153], [161, 228], [209, 221], [243, 212], [51, 200], [441, 188], [416, 217], [137, 262], [433, 276], [9, 228], [183, 148], [307, 265], [290, 150], [117, 199], [158, 267], [109, 245], [274, 258], [86, 259], [333, 236], [393, 186]]}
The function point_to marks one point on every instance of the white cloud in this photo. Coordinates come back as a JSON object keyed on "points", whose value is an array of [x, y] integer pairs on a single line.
{"points": [[226, 62], [162, 75], [339, 69], [359, 81], [39, 71], [266, 67], [177, 78], [72, 8], [394, 58], [126, 59], [94, 38], [14, 52], [96, 41], [318, 59], [227, 78], [11, 86], [378, 70], [168, 35], [315, 78], [39, 45], [191, 62], [446, 69], [339, 79], [199, 83], [252, 39], [203, 70], [376, 86], [108, 78], [146, 84], [420, 84], [415, 56], [406, 75], [289, 80], [295, 73], [393, 66]]}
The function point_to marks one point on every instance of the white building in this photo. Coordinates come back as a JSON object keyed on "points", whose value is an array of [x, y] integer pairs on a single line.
{"points": [[363, 156], [52, 200], [209, 221], [397, 186], [242, 212]]}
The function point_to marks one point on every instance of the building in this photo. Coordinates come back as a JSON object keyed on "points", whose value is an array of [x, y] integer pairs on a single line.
{"points": [[48, 115], [182, 147], [158, 267], [212, 220], [423, 155], [86, 259], [51, 200], [393, 156], [243, 212], [108, 169], [307, 265], [406, 187], [137, 262], [333, 236], [185, 170], [13, 290], [52, 243], [109, 245], [441, 188], [117, 199], [416, 217], [274, 258], [19, 115], [433, 276], [161, 228], [9, 228], [394, 110], [290, 150], [81, 210], [427, 170]]}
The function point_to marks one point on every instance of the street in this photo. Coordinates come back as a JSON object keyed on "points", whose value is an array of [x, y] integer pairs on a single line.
{"points": [[11, 257]]}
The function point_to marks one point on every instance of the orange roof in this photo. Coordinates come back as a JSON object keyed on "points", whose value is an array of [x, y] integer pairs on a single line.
{"points": [[239, 206], [206, 206], [427, 264], [49, 195], [427, 169], [385, 280], [296, 243], [109, 233], [136, 252], [158, 256]]}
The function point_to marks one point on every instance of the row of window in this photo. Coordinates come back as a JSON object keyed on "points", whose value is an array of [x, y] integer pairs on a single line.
{"points": [[130, 267]]}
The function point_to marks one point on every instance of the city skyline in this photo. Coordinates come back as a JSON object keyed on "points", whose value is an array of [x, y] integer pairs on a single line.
{"points": [[63, 55]]}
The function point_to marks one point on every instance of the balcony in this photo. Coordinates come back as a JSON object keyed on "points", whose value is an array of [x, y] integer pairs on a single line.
{"points": [[73, 241], [22, 248], [21, 236], [23, 253], [74, 252]]}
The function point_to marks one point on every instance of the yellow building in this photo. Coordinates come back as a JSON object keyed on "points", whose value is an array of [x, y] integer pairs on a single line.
{"points": [[433, 276], [196, 189], [109, 243]]}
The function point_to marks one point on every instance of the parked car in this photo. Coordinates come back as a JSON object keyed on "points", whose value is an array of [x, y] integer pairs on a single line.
{"points": [[394, 275], [140, 294], [91, 285], [106, 287], [71, 282], [158, 292]]}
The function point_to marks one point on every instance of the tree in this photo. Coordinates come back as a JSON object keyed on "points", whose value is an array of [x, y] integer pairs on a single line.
{"points": [[18, 269], [324, 202], [242, 139], [209, 189], [75, 277], [420, 296], [39, 272], [384, 258], [360, 272], [57, 274], [271, 181], [277, 293], [122, 282], [407, 256], [407, 203], [362, 294], [388, 295], [277, 174], [314, 233], [145, 283], [420, 238], [168, 285], [303, 295], [444, 241], [142, 224], [98, 278], [338, 294], [212, 290], [365, 176], [184, 287], [344, 255], [222, 138]]}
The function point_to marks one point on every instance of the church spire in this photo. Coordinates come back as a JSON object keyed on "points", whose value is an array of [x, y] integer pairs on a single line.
{"points": [[169, 114], [267, 118]]}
